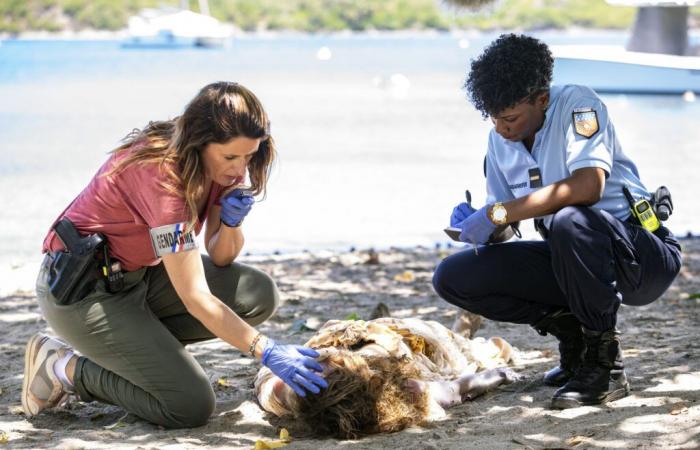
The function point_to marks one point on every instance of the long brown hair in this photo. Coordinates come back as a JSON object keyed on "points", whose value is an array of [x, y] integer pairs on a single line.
{"points": [[220, 112], [365, 395]]}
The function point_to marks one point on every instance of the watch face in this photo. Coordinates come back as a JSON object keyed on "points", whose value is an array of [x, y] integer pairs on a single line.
{"points": [[499, 213]]}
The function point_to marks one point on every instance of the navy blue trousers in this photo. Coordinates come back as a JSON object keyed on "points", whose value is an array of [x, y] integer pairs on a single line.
{"points": [[590, 263]]}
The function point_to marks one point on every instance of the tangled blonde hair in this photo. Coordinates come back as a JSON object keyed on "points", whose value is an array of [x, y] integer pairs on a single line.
{"points": [[220, 112], [364, 396]]}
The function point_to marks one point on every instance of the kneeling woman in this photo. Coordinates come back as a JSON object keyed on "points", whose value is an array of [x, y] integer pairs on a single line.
{"points": [[154, 293], [387, 374]]}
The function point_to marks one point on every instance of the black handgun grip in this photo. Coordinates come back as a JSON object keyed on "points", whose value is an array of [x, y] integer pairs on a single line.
{"points": [[72, 241]]}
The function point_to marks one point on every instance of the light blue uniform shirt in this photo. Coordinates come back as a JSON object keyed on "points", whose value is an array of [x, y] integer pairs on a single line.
{"points": [[559, 150]]}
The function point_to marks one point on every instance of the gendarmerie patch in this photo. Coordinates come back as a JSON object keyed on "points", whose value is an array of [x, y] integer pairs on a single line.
{"points": [[585, 122], [172, 239]]}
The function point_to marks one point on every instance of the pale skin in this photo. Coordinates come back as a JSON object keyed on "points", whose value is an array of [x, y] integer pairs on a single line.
{"points": [[447, 393], [584, 187], [225, 164]]}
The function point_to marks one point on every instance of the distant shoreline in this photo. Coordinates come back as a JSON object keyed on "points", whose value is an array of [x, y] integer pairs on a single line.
{"points": [[97, 35], [105, 35]]}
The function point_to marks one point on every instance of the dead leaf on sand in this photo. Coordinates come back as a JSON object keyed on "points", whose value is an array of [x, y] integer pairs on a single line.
{"points": [[372, 257], [284, 439], [575, 440], [406, 277], [678, 408]]}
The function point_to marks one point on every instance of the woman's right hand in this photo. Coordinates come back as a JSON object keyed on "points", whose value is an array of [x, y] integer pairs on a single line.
{"points": [[460, 213], [295, 365], [235, 206]]}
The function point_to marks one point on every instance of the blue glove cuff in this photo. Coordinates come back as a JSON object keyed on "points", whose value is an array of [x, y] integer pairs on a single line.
{"points": [[232, 226], [266, 352]]}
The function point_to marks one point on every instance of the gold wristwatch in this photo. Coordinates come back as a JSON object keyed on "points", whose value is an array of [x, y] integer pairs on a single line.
{"points": [[498, 214]]}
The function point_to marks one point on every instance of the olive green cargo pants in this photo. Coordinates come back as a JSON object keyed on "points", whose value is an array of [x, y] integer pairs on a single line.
{"points": [[133, 342]]}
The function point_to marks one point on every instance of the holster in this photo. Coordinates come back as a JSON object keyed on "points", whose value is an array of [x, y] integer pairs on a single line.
{"points": [[662, 202], [69, 276]]}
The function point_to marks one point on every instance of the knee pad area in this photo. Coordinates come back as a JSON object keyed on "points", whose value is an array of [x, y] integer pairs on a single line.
{"points": [[452, 281], [190, 409], [570, 221]]}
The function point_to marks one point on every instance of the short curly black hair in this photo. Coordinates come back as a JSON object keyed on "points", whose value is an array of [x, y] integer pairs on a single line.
{"points": [[511, 68]]}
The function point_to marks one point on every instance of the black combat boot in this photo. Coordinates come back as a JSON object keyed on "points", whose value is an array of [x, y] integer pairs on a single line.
{"points": [[601, 378], [566, 328]]}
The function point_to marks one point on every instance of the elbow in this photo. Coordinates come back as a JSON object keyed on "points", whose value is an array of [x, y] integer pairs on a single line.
{"points": [[589, 184], [597, 188], [221, 262], [222, 258]]}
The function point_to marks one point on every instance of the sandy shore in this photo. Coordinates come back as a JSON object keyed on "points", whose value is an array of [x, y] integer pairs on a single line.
{"points": [[659, 342]]}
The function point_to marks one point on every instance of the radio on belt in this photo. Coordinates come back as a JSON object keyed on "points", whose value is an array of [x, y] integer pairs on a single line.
{"points": [[112, 270], [642, 210]]}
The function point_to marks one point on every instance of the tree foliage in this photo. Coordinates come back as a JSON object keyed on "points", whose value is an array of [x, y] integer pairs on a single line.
{"points": [[328, 15]]}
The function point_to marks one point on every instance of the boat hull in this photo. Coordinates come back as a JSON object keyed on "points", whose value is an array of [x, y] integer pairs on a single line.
{"points": [[629, 72]]}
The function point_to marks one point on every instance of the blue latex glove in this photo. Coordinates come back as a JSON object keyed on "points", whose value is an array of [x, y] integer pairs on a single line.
{"points": [[477, 228], [295, 365], [235, 206], [461, 212]]}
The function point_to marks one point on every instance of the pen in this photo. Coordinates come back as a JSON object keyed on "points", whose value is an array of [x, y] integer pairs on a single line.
{"points": [[468, 196]]}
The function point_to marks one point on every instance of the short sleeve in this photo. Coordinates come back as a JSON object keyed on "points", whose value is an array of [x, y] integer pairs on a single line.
{"points": [[588, 135], [145, 193], [497, 189]]}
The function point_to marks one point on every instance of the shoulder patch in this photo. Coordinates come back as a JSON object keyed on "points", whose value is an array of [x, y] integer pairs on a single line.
{"points": [[172, 239], [585, 122]]}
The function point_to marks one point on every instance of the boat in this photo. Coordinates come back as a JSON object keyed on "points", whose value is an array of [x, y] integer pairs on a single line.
{"points": [[173, 28], [614, 69], [657, 59]]}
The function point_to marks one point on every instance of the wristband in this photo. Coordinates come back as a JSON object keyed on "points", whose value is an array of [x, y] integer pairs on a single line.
{"points": [[253, 344]]}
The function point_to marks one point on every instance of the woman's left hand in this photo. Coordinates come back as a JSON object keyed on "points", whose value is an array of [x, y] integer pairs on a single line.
{"points": [[477, 228], [235, 206]]}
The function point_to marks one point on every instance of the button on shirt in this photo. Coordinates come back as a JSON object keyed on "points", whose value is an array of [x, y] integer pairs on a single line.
{"points": [[559, 150]]}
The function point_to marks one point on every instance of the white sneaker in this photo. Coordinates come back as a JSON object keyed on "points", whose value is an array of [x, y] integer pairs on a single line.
{"points": [[41, 388]]}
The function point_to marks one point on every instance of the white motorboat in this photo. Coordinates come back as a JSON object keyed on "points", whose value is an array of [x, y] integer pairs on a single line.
{"points": [[175, 28]]}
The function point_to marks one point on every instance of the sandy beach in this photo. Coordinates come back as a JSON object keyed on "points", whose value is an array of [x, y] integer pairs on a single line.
{"points": [[659, 343]]}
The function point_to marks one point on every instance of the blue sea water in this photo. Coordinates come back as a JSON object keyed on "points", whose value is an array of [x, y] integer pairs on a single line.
{"points": [[376, 144]]}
